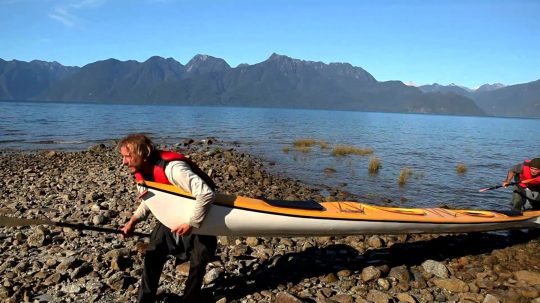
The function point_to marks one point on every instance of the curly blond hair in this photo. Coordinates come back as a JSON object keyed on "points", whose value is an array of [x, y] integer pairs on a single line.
{"points": [[139, 144]]}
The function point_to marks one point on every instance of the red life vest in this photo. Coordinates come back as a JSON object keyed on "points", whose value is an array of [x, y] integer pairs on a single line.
{"points": [[526, 174], [158, 170]]}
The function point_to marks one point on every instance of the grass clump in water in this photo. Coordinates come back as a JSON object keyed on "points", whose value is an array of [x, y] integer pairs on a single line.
{"points": [[304, 142], [304, 145], [303, 149], [343, 150], [286, 149], [374, 165], [461, 168], [324, 145], [404, 175]]}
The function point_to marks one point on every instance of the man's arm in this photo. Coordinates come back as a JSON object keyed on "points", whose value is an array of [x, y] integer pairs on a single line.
{"points": [[512, 172], [139, 215], [180, 174]]}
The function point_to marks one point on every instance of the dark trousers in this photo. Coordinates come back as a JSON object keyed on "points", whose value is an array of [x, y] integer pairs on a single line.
{"points": [[519, 198], [198, 249]]}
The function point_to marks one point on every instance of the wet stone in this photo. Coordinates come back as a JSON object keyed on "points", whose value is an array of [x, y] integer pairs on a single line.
{"points": [[98, 219], [94, 286], [4, 292], [285, 297], [451, 284], [53, 279], [330, 278], [43, 298], [370, 273], [65, 265], [491, 299], [95, 208], [399, 273], [50, 262], [344, 273], [530, 277], [238, 251], [36, 237], [252, 241], [377, 296], [183, 269], [405, 297], [116, 281], [383, 283], [71, 289], [212, 275], [117, 253], [81, 271], [20, 237], [436, 268], [375, 242], [343, 298], [528, 292], [41, 275]]}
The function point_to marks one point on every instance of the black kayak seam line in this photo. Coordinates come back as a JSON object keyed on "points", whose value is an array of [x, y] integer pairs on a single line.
{"points": [[328, 218]]}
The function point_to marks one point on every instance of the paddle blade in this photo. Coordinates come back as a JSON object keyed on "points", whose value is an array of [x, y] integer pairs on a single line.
{"points": [[12, 222], [489, 188]]}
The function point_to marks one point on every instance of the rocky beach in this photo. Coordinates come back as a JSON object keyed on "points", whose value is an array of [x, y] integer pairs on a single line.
{"points": [[44, 263]]}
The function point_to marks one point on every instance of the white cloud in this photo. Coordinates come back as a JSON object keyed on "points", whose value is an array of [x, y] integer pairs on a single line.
{"points": [[62, 15], [410, 83], [65, 13]]}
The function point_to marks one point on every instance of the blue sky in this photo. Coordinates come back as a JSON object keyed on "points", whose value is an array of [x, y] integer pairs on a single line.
{"points": [[464, 42]]}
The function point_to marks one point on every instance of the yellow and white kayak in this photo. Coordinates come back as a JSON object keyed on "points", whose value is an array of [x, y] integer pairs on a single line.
{"points": [[241, 216]]}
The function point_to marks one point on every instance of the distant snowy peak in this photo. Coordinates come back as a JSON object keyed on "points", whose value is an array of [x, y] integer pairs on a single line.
{"points": [[489, 87], [201, 64], [459, 89], [451, 88]]}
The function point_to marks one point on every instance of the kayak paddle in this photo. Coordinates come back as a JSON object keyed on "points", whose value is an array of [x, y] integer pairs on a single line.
{"points": [[511, 183], [11, 222]]}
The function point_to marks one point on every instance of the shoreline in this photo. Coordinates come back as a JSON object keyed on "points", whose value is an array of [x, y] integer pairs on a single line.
{"points": [[51, 264]]}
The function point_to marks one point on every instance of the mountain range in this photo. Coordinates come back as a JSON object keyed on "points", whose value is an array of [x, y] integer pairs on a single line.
{"points": [[279, 81]]}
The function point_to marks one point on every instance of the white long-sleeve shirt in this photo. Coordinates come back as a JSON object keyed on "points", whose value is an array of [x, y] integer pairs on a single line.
{"points": [[180, 174]]}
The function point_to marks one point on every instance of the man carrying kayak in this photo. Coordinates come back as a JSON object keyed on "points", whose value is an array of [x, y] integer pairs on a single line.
{"points": [[148, 163], [528, 191]]}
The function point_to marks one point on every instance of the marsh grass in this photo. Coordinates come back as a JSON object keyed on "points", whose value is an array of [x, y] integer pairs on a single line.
{"points": [[304, 145], [324, 145], [286, 149], [461, 168], [303, 149], [404, 175], [343, 150], [374, 165], [298, 143]]}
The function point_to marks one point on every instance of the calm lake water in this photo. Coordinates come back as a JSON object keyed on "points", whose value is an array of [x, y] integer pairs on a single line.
{"points": [[430, 145]]}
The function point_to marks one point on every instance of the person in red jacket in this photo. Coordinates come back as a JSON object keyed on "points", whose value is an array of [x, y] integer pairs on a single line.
{"points": [[148, 163], [529, 191]]}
